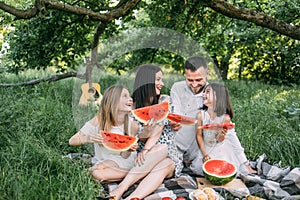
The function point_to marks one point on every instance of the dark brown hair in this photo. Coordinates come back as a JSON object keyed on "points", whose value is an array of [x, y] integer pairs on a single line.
{"points": [[144, 93], [195, 62], [223, 103]]}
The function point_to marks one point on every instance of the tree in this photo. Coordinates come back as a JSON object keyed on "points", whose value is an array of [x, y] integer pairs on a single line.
{"points": [[234, 42], [202, 20], [58, 32], [257, 17]]}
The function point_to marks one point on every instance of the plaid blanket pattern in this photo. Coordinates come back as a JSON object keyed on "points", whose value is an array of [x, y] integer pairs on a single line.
{"points": [[175, 187], [272, 181]]}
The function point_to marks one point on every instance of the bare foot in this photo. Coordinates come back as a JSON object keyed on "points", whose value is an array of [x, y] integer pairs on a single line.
{"points": [[118, 192], [251, 171], [130, 197]]}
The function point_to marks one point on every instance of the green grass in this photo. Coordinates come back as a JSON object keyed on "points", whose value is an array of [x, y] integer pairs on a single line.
{"points": [[37, 122]]}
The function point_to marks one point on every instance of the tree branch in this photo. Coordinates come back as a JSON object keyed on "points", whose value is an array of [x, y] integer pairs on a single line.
{"points": [[259, 18], [20, 14], [52, 78], [75, 10], [106, 17], [121, 9], [94, 52]]}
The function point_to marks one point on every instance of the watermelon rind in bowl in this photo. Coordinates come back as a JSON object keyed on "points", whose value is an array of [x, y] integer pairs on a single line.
{"points": [[219, 172]]}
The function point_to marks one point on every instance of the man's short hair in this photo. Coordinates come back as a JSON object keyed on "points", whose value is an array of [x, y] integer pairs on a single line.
{"points": [[195, 62]]}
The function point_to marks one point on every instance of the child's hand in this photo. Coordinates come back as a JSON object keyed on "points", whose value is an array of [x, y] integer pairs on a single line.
{"points": [[93, 138], [133, 147], [205, 158], [221, 135]]}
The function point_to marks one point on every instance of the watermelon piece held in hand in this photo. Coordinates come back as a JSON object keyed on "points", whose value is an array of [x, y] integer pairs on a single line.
{"points": [[184, 120], [219, 172], [226, 126], [158, 111], [117, 142]]}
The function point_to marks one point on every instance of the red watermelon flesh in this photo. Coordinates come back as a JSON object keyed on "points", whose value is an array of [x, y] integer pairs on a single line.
{"points": [[226, 126], [184, 120], [117, 142], [158, 111], [219, 172]]}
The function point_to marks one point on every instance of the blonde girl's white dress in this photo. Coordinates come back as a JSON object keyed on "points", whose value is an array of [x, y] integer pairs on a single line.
{"points": [[230, 149], [102, 154]]}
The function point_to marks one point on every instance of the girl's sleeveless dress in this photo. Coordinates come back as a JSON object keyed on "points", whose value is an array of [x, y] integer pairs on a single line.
{"points": [[230, 149]]}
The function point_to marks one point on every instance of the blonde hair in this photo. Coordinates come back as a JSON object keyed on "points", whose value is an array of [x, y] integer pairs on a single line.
{"points": [[109, 108]]}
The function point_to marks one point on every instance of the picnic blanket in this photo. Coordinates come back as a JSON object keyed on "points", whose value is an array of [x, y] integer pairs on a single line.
{"points": [[175, 187], [271, 182]]}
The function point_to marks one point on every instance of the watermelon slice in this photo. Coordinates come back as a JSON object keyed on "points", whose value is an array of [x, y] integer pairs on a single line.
{"points": [[226, 126], [219, 172], [117, 142], [158, 111], [184, 120]]}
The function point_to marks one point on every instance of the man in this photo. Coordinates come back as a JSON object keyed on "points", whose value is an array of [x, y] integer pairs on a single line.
{"points": [[186, 99]]}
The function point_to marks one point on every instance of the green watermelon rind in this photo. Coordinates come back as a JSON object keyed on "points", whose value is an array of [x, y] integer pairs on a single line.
{"points": [[111, 147], [165, 106], [217, 179]]}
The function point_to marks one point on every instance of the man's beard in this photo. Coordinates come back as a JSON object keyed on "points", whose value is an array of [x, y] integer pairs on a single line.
{"points": [[198, 91], [202, 88]]}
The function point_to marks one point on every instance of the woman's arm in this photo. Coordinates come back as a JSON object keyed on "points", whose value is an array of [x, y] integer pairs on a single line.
{"points": [[166, 98], [148, 129], [150, 126], [151, 141], [155, 135]]}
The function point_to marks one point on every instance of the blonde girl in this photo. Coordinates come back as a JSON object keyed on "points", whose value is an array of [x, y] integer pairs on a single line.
{"points": [[113, 116]]}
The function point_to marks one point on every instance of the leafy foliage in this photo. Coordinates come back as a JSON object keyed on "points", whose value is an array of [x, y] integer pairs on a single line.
{"points": [[56, 39], [239, 49]]}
